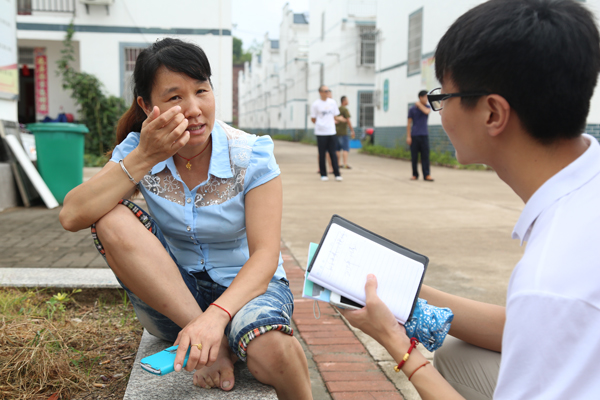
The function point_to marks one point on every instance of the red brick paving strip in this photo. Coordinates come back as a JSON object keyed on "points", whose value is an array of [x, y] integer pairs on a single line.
{"points": [[345, 365]]}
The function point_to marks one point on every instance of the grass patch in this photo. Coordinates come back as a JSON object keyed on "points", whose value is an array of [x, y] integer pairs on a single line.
{"points": [[445, 159], [287, 138], [66, 345]]}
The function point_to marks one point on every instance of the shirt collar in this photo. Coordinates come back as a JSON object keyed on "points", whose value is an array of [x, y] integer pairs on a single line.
{"points": [[220, 165], [570, 178]]}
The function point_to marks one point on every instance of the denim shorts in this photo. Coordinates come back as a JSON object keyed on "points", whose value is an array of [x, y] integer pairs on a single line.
{"points": [[343, 143], [269, 311]]}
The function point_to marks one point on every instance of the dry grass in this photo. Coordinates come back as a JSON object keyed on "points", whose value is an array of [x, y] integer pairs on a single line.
{"points": [[66, 346]]}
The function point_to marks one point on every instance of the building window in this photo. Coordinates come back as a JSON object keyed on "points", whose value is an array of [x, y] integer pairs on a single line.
{"points": [[24, 7], [130, 56], [415, 39], [366, 106], [26, 56], [368, 36]]}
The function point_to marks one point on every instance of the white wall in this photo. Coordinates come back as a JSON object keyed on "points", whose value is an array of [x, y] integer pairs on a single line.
{"points": [[338, 50], [392, 49], [99, 52], [8, 110]]}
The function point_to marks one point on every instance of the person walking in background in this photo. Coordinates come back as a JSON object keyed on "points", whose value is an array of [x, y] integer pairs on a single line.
{"points": [[323, 113], [341, 129], [417, 136]]}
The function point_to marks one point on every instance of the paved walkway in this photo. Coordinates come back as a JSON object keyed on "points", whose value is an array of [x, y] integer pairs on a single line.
{"points": [[462, 222]]}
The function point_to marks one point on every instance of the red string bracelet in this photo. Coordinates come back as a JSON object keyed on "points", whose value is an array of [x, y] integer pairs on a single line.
{"points": [[419, 367], [216, 305], [413, 343]]}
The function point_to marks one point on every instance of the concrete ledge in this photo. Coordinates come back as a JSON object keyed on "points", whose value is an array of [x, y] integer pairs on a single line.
{"points": [[178, 385], [101, 278]]}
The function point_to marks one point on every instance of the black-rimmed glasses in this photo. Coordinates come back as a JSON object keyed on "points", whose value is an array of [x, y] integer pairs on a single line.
{"points": [[436, 97]]}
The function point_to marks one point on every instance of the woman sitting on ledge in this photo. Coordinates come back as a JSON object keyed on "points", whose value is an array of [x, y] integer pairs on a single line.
{"points": [[204, 270]]}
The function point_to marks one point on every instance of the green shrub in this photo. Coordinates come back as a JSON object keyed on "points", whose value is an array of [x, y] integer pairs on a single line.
{"points": [[99, 112]]}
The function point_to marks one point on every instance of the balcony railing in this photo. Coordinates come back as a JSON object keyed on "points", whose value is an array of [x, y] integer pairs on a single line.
{"points": [[27, 7]]}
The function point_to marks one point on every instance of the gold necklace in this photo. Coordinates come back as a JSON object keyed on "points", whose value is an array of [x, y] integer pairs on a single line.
{"points": [[189, 164]]}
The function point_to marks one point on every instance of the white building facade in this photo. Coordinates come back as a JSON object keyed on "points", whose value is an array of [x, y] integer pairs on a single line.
{"points": [[342, 55], [272, 88], [258, 98], [408, 35], [379, 54], [108, 37]]}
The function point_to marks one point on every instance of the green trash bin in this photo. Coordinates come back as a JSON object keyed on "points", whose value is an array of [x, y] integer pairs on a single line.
{"points": [[59, 147]]}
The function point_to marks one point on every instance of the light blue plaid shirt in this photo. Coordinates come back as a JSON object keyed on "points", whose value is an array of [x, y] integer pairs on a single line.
{"points": [[206, 226]]}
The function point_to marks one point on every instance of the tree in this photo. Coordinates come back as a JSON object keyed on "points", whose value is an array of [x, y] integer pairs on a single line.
{"points": [[239, 55]]}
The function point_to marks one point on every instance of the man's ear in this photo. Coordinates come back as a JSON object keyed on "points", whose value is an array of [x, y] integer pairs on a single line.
{"points": [[142, 105], [498, 111]]}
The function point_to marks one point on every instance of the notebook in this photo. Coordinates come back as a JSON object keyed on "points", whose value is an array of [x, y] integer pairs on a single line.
{"points": [[347, 253]]}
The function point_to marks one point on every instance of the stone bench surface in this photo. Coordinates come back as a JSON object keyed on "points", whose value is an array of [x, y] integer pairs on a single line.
{"points": [[179, 385]]}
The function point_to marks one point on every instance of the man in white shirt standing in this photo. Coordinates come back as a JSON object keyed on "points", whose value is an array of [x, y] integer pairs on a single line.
{"points": [[323, 113]]}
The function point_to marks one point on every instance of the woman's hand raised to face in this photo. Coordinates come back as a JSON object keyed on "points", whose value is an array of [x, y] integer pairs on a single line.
{"points": [[163, 134], [375, 319]]}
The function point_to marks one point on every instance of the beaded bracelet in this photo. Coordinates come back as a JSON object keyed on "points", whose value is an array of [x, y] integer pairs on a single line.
{"points": [[127, 172], [216, 305], [413, 343]]}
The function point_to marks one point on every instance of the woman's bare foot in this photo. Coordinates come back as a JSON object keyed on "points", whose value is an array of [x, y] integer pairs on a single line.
{"points": [[220, 373]]}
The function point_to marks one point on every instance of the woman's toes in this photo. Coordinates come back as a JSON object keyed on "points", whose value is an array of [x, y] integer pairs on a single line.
{"points": [[227, 379], [212, 381], [203, 381]]}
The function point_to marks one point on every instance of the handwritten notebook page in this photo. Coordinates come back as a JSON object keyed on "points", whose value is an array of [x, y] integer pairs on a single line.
{"points": [[346, 258]]}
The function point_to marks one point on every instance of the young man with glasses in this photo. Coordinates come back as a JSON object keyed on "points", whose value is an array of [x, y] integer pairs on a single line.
{"points": [[417, 136], [517, 80]]}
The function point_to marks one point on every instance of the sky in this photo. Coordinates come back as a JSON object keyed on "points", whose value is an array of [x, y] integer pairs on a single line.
{"points": [[253, 18]]}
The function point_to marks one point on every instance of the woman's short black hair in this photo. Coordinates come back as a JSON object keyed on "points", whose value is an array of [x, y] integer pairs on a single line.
{"points": [[542, 56], [175, 55]]}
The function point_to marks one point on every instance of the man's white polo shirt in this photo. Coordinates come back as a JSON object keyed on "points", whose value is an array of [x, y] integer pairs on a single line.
{"points": [[551, 341], [324, 112]]}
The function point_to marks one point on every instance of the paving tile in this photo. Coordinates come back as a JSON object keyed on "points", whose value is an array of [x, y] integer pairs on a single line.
{"points": [[347, 366], [332, 340], [351, 396], [322, 327], [338, 348], [357, 376], [351, 386], [322, 334]]}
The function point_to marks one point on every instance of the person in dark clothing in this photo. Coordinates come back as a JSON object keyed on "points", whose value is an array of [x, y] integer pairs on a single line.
{"points": [[417, 136]]}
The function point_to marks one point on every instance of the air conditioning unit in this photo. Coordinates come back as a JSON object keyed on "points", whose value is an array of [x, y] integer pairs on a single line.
{"points": [[89, 3], [377, 98]]}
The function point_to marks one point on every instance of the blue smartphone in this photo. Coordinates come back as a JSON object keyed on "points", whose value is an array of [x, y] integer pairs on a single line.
{"points": [[162, 362]]}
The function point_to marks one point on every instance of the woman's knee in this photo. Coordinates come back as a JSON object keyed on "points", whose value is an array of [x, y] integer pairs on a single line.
{"points": [[113, 226], [280, 347]]}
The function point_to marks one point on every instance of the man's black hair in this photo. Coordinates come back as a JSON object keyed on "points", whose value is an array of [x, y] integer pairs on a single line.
{"points": [[423, 93], [342, 99], [542, 56]]}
